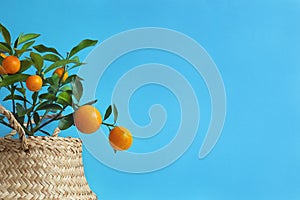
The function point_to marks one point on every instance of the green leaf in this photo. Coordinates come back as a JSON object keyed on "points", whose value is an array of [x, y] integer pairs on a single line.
{"points": [[48, 96], [107, 112], [28, 44], [42, 49], [76, 58], [64, 98], [9, 97], [25, 64], [51, 57], [27, 37], [21, 119], [19, 52], [48, 81], [77, 65], [58, 64], [41, 104], [50, 107], [55, 79], [37, 60], [8, 80], [36, 118], [21, 90], [3, 76], [1, 117], [52, 89], [66, 88], [77, 89], [90, 103], [76, 76], [66, 122], [116, 113], [16, 42], [82, 45], [16, 97], [5, 34], [5, 47], [20, 110]]}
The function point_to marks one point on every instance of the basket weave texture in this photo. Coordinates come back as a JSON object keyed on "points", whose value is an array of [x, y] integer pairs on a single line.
{"points": [[41, 167], [52, 169]]}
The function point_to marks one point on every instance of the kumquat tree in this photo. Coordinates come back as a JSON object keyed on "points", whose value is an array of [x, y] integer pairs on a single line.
{"points": [[42, 89]]}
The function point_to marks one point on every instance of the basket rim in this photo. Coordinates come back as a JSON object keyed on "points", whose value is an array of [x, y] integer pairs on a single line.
{"points": [[44, 137], [41, 142]]}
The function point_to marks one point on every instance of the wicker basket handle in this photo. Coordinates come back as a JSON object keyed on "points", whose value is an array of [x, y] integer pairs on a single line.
{"points": [[16, 126]]}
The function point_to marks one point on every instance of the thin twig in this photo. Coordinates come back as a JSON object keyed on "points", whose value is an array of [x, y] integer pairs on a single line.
{"points": [[46, 117], [13, 99], [106, 124], [6, 124], [51, 120]]}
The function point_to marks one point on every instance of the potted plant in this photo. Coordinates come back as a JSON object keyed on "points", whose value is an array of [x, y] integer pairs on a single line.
{"points": [[42, 91]]}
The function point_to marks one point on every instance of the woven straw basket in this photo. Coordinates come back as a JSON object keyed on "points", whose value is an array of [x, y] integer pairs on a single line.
{"points": [[41, 167]]}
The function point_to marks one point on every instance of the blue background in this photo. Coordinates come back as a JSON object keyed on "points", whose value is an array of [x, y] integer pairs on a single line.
{"points": [[256, 48]]}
